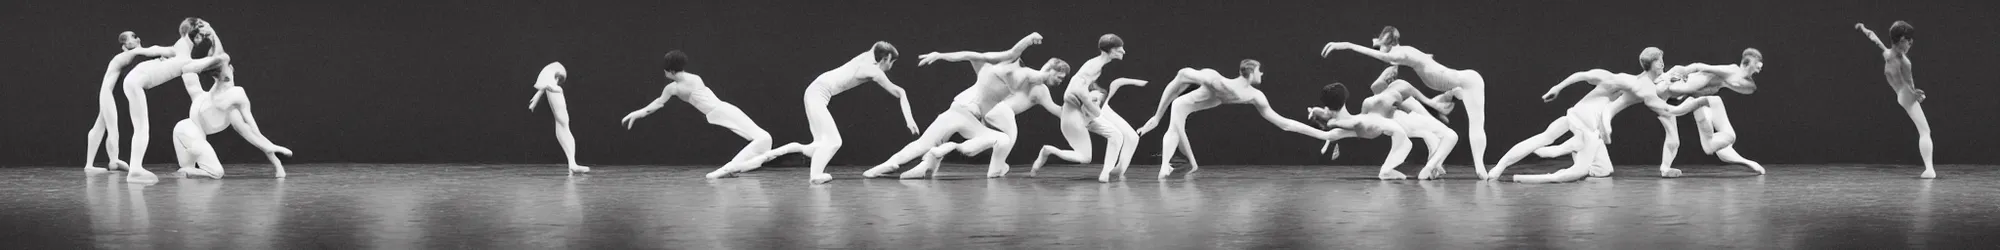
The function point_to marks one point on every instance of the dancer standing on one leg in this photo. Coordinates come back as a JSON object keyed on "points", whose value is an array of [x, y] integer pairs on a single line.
{"points": [[867, 67], [105, 127], [224, 106], [1472, 87], [690, 87], [975, 113], [1215, 90], [196, 38], [1083, 113], [549, 83], [1896, 66]]}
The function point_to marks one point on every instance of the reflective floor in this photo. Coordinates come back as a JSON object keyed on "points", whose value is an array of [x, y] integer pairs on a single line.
{"points": [[411, 206]]}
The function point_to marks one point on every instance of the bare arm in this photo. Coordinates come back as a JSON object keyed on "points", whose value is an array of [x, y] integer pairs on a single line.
{"points": [[1660, 105], [1120, 82], [666, 95], [1040, 95], [1382, 82], [1591, 77], [1871, 36], [1084, 103], [1264, 109], [984, 57], [881, 79], [536, 101], [1370, 52]]}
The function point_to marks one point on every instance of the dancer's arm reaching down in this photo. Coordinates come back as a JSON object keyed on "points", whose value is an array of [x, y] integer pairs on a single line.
{"points": [[1391, 58], [1183, 78], [541, 90], [1010, 54], [1040, 95], [1871, 36], [666, 95], [881, 78], [536, 101], [1660, 106], [1264, 109]]}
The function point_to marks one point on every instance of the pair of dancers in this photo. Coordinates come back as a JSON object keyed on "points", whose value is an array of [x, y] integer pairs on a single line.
{"points": [[198, 52]]}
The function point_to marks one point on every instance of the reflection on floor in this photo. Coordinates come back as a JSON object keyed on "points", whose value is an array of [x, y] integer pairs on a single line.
{"points": [[406, 206]]}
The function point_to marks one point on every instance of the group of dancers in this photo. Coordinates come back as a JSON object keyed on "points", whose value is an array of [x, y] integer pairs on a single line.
{"points": [[1003, 87]]}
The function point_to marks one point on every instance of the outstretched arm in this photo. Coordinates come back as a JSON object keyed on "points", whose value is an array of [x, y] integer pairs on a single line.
{"points": [[1871, 36], [1010, 54], [1120, 82], [1264, 109], [666, 95], [897, 91], [1590, 76], [1370, 52]]}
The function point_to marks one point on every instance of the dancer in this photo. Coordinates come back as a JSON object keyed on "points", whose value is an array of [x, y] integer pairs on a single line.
{"points": [[975, 113], [1717, 135], [105, 127], [548, 83], [690, 87], [1083, 112], [197, 38], [869, 66], [1585, 120], [223, 106], [1385, 106], [1652, 64], [1215, 90], [1896, 65], [1472, 87]]}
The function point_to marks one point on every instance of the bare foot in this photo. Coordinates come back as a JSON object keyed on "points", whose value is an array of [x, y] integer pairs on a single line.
{"points": [[1391, 175], [1430, 173], [877, 171], [1928, 174], [820, 178], [141, 176], [1670, 172], [1039, 160], [578, 169]]}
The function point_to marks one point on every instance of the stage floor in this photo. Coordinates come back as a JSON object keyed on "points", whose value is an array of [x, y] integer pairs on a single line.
{"points": [[457, 206]]}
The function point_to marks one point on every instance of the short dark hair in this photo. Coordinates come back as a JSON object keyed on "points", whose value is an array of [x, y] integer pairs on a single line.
{"points": [[884, 51], [1390, 35], [674, 61], [1243, 68], [1334, 96], [1901, 31], [1109, 41]]}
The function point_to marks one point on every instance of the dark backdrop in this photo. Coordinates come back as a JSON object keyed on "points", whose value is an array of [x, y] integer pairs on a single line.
{"points": [[448, 81]]}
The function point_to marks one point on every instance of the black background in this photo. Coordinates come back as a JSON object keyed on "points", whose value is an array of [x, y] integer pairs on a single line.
{"points": [[448, 81]]}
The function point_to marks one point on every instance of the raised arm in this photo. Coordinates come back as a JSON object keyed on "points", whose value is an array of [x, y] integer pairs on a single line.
{"points": [[1590, 76], [1871, 36], [882, 79], [1010, 54], [666, 95]]}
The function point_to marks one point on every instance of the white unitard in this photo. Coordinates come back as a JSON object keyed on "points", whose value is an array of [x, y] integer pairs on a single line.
{"points": [[155, 72], [224, 106], [548, 83], [1082, 113], [691, 88], [826, 135], [975, 114]]}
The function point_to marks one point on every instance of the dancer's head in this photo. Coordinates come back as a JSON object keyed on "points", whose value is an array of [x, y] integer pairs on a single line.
{"points": [[1901, 35], [1057, 70], [553, 74], [128, 40], [885, 54], [1652, 59], [1333, 96], [191, 28], [673, 64], [1389, 38], [1250, 69], [1752, 63], [1111, 45]]}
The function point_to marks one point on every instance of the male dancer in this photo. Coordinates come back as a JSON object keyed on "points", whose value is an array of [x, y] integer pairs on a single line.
{"points": [[867, 67], [1717, 135], [197, 38], [1215, 90], [975, 113], [1083, 113], [549, 84], [690, 87], [224, 106], [1384, 106], [1472, 87], [1896, 65], [105, 127], [1585, 120]]}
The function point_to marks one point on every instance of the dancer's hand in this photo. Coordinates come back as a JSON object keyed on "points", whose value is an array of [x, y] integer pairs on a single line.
{"points": [[1860, 26], [1549, 97], [1332, 46], [1155, 122], [632, 118], [912, 125], [927, 59], [1035, 38]]}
